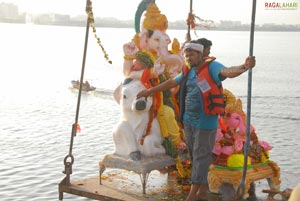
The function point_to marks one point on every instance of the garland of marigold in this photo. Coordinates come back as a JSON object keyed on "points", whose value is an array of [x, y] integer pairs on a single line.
{"points": [[183, 172], [145, 79], [148, 82], [149, 125], [91, 21]]}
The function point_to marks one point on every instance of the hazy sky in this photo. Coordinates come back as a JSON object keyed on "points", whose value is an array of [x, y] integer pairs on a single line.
{"points": [[216, 10]]}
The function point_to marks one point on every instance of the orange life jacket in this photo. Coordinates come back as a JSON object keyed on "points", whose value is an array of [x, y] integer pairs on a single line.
{"points": [[213, 97]]}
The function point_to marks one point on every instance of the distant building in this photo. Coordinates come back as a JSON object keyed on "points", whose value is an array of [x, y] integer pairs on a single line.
{"points": [[59, 19], [8, 10], [52, 19], [230, 24], [10, 13]]}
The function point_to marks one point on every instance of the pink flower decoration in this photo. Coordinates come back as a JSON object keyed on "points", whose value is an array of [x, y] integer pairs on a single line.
{"points": [[265, 145], [228, 150], [238, 144], [219, 135], [217, 149]]}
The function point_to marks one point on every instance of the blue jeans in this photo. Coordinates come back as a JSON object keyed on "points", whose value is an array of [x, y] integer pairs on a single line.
{"points": [[200, 145]]}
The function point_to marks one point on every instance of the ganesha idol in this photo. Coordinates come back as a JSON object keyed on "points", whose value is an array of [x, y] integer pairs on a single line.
{"points": [[228, 164], [147, 62], [231, 137]]}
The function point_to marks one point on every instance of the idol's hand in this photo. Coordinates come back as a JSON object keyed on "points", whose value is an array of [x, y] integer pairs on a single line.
{"points": [[130, 48], [158, 68]]}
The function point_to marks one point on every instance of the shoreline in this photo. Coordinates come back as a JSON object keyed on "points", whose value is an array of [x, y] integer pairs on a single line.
{"points": [[258, 28]]}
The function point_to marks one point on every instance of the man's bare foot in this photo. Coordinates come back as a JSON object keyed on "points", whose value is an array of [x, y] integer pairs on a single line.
{"points": [[192, 196], [202, 193]]}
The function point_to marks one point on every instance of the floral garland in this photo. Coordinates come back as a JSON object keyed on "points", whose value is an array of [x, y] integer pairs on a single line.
{"points": [[145, 57], [191, 20], [145, 79], [184, 172], [91, 21]]}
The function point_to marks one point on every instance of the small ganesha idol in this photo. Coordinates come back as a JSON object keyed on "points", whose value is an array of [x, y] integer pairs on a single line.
{"points": [[231, 137]]}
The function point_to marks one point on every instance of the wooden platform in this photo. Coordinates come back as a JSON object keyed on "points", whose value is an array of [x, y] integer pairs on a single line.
{"points": [[125, 185], [130, 179], [123, 182]]}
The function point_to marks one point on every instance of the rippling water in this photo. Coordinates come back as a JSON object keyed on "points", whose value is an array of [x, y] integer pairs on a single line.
{"points": [[37, 108]]}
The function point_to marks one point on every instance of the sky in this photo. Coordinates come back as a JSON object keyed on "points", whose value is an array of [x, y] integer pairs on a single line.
{"points": [[216, 10]]}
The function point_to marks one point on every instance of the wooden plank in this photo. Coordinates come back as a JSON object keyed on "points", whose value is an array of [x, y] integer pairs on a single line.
{"points": [[125, 185]]}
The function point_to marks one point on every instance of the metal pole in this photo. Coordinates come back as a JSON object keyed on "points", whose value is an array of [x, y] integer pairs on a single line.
{"points": [[69, 159], [68, 164], [88, 8], [188, 36], [241, 187]]}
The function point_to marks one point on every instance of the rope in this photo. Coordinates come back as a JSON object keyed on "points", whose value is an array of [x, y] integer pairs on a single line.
{"points": [[241, 187]]}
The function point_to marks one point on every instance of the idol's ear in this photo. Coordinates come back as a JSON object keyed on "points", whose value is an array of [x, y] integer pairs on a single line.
{"points": [[117, 93], [126, 81]]}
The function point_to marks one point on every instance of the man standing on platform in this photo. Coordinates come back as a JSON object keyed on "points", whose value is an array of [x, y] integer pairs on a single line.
{"points": [[200, 83]]}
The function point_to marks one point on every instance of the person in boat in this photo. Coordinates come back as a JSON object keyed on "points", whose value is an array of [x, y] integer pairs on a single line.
{"points": [[200, 118], [87, 84]]}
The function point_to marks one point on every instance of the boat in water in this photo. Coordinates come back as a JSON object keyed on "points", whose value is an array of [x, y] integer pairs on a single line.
{"points": [[85, 85]]}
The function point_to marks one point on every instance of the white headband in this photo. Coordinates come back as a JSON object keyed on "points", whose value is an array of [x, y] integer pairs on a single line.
{"points": [[193, 46]]}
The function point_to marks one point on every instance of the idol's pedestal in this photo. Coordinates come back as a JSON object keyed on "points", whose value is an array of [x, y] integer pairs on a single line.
{"points": [[219, 175], [142, 167]]}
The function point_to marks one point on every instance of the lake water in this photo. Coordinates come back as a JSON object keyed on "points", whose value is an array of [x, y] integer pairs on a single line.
{"points": [[37, 108]]}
